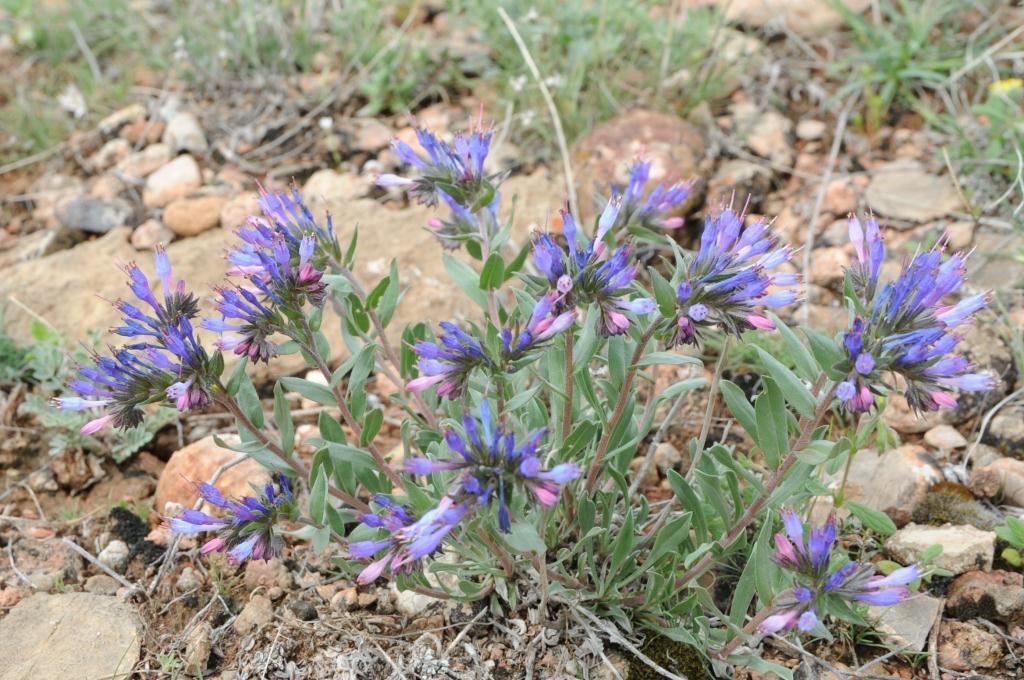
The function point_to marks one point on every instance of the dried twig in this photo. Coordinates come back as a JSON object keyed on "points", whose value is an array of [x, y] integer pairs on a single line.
{"points": [[99, 565]]}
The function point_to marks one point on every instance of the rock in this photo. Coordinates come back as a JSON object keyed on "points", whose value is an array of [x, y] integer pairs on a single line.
{"points": [[840, 197], [107, 187], [903, 190], [329, 186], [1003, 478], [94, 216], [964, 547], [114, 556], [9, 597], [894, 482], [188, 580], [118, 119], [827, 266], [345, 600], [39, 244], [766, 133], [809, 129], [985, 345], [965, 647], [140, 164], [667, 457], [147, 235], [304, 611], [945, 438], [110, 153], [906, 625], [237, 209], [960, 235], [177, 179], [198, 647], [184, 133], [674, 147], [368, 134], [191, 216], [196, 463], [410, 603], [650, 477], [101, 584], [50, 193], [807, 18], [1000, 270], [259, 573], [1006, 430], [366, 600], [258, 612], [143, 132], [745, 178], [899, 416], [996, 595], [73, 635], [45, 562]]}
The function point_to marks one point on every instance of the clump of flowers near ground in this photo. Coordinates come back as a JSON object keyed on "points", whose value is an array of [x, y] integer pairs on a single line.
{"points": [[521, 420]]}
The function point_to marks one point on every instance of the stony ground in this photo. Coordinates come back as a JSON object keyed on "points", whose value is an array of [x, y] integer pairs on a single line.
{"points": [[92, 586]]}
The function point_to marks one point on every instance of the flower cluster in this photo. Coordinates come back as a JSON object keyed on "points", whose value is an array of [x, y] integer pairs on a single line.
{"points": [[492, 464], [278, 259], [166, 363], [903, 327], [581, 276], [727, 283], [808, 558], [653, 210], [408, 541], [247, 527], [449, 362], [452, 173]]}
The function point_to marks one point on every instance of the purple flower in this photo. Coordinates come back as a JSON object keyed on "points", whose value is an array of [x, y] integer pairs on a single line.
{"points": [[407, 541], [282, 260], [492, 463], [654, 210], [807, 555], [579, 274], [727, 283], [903, 328], [247, 528], [164, 363]]}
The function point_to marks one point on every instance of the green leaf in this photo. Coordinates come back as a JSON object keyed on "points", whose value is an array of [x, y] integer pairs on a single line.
{"points": [[876, 520], [688, 499], [249, 401], [311, 390], [350, 454], [389, 301], [772, 433], [664, 294], [623, 543], [371, 426], [237, 375], [669, 358], [677, 388], [738, 405], [793, 388], [283, 420], [330, 429], [466, 279], [523, 537], [806, 366], [493, 273], [318, 496], [817, 452], [361, 367], [826, 351]]}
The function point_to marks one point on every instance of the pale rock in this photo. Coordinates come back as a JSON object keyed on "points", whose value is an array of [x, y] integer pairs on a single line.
{"points": [[46, 562], [766, 133], [899, 416], [313, 376], [966, 647], [198, 647], [903, 190], [101, 584], [266, 574], [745, 178], [345, 600], [106, 187], [256, 613], [72, 635], [369, 134], [650, 477], [667, 457], [1006, 430], [894, 482], [996, 595], [410, 603], [175, 180], [110, 153], [945, 438], [118, 119], [960, 234], [1002, 478], [237, 209], [196, 463], [184, 133], [809, 129], [50, 193], [827, 265], [140, 164], [114, 556], [188, 580], [94, 216], [807, 18], [906, 625], [9, 597], [193, 215], [964, 547], [840, 197], [149, 234], [325, 187]]}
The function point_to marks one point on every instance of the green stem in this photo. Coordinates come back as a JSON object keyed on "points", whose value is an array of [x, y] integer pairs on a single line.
{"points": [[709, 411], [567, 407]]}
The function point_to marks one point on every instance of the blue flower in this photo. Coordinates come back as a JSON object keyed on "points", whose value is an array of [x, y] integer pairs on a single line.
{"points": [[727, 284], [653, 210], [903, 327]]}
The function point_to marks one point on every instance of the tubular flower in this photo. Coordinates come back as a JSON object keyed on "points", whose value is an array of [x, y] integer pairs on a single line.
{"points": [[462, 223], [903, 327], [408, 541], [580, 274], [449, 362], [165, 364], [282, 259], [652, 211], [246, 530], [492, 465], [727, 283], [808, 559]]}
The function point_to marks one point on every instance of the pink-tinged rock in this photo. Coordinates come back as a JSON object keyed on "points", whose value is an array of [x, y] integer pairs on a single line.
{"points": [[1003, 478], [139, 164], [193, 215], [177, 179], [966, 647], [996, 595]]}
